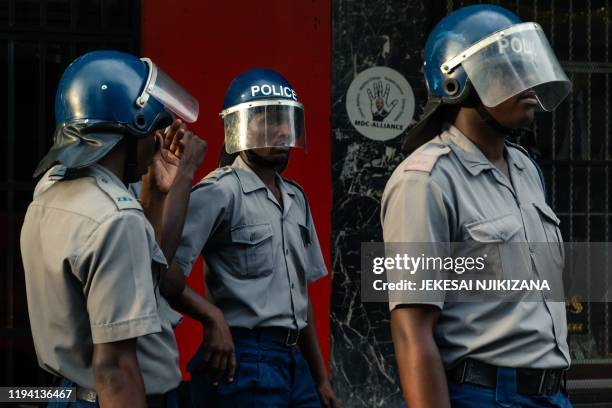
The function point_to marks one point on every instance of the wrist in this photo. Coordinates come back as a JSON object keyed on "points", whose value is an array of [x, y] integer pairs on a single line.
{"points": [[212, 316], [156, 193], [188, 169]]}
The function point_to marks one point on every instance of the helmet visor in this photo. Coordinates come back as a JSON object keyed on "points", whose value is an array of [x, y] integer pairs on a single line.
{"points": [[270, 123], [512, 61], [169, 93]]}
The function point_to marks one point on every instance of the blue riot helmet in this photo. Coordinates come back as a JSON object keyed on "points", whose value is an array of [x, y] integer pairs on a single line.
{"points": [[261, 109], [105, 95], [489, 50]]}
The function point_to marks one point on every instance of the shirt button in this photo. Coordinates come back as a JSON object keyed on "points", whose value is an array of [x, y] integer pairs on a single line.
{"points": [[531, 250]]}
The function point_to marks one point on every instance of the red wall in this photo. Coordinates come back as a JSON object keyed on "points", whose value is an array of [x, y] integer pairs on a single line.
{"points": [[204, 45]]}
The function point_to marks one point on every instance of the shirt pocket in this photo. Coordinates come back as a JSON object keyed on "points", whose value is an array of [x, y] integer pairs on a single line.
{"points": [[550, 225], [254, 250], [491, 236], [492, 230]]}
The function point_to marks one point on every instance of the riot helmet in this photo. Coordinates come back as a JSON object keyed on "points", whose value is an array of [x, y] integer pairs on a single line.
{"points": [[261, 109], [104, 96], [488, 50]]}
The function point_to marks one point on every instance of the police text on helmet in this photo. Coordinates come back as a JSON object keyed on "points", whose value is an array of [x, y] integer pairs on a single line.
{"points": [[518, 45], [267, 90]]}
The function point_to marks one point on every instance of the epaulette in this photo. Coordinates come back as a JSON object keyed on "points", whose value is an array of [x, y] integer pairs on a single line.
{"points": [[122, 198], [214, 176], [424, 159]]}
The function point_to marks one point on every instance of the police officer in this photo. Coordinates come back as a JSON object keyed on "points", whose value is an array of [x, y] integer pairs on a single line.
{"points": [[256, 234], [91, 260], [487, 72]]}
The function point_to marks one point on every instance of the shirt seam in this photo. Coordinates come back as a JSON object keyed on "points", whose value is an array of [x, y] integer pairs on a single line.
{"points": [[36, 204], [127, 321]]}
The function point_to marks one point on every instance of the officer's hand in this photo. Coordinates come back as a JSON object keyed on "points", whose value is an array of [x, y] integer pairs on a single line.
{"points": [[164, 165], [219, 354], [190, 149], [327, 395], [179, 150]]}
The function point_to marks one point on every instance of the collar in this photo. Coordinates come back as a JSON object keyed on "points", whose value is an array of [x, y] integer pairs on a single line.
{"points": [[111, 184], [515, 155], [470, 156], [250, 181], [103, 174]]}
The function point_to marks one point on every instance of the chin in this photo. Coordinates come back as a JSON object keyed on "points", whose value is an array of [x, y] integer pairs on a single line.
{"points": [[520, 119], [527, 120]]}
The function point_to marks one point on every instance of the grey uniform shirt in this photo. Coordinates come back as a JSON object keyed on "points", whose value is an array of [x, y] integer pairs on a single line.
{"points": [[92, 269], [448, 191], [260, 256]]}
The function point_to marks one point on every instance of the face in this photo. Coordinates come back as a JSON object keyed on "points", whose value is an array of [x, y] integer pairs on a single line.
{"points": [[277, 155], [274, 128], [516, 112], [380, 103]]}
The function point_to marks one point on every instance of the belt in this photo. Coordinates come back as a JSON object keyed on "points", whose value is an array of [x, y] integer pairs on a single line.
{"points": [[529, 381], [284, 336], [89, 395]]}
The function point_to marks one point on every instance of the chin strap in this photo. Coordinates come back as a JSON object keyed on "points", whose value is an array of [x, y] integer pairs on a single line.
{"points": [[510, 133]]}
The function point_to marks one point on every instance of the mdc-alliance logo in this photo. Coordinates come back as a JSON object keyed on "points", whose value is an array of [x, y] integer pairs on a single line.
{"points": [[380, 103]]}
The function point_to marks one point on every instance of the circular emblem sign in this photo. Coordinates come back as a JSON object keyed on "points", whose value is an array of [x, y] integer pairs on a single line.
{"points": [[380, 103]]}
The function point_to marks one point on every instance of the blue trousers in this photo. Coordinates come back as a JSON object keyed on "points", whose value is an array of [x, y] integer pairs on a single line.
{"points": [[504, 396], [268, 374]]}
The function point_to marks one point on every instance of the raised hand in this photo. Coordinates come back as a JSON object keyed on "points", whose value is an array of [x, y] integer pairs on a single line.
{"points": [[179, 149]]}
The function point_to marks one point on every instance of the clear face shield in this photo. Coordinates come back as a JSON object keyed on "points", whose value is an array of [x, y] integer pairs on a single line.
{"points": [[266, 123], [170, 94], [510, 62]]}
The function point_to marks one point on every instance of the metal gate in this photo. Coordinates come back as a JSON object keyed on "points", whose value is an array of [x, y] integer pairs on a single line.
{"points": [[38, 39]]}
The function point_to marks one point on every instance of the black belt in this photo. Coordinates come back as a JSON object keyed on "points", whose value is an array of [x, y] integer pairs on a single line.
{"points": [[529, 381], [284, 336]]}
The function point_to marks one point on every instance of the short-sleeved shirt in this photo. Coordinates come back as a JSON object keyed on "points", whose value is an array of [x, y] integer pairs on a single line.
{"points": [[448, 191], [92, 269], [260, 256]]}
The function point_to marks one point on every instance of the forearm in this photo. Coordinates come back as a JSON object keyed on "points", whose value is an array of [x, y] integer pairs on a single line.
{"points": [[184, 299], [153, 202], [117, 378], [422, 377], [309, 346], [422, 374], [175, 211]]}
